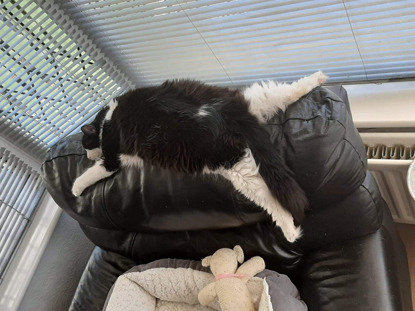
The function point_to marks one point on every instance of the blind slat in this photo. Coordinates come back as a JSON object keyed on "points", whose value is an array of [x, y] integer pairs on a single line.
{"points": [[13, 182], [25, 172], [4, 259]]}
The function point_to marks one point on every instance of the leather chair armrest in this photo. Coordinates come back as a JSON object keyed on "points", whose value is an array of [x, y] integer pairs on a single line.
{"points": [[365, 273]]}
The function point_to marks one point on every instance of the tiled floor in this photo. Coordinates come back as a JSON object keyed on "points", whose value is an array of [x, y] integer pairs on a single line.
{"points": [[407, 233]]}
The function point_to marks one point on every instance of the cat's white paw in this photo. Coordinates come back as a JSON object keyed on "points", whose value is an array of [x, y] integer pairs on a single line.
{"points": [[291, 232], [318, 78], [94, 154], [78, 188]]}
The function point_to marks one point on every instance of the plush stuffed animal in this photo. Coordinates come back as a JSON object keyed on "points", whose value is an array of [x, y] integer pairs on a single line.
{"points": [[230, 287]]}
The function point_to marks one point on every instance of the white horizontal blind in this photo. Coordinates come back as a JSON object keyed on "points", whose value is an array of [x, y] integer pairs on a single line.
{"points": [[236, 42], [20, 192], [52, 76], [52, 80]]}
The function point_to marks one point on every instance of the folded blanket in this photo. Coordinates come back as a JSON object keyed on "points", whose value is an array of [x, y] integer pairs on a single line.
{"points": [[173, 285]]}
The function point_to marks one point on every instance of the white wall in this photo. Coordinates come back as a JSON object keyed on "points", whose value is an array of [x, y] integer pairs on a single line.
{"points": [[383, 105], [60, 268]]}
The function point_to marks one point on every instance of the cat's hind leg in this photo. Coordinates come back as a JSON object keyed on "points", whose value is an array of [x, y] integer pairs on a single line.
{"points": [[266, 98], [245, 177], [92, 175]]}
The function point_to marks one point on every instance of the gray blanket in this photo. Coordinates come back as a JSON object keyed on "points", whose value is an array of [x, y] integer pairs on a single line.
{"points": [[173, 285]]}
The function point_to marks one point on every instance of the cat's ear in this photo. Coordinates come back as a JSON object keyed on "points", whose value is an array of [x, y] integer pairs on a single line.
{"points": [[89, 129]]}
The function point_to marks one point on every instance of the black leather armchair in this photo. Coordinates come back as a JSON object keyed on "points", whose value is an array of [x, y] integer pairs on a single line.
{"points": [[349, 258]]}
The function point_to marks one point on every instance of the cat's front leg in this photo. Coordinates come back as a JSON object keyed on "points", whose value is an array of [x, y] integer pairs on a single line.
{"points": [[304, 86], [90, 176]]}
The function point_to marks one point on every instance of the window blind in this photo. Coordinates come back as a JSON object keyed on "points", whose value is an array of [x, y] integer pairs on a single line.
{"points": [[241, 41], [53, 78], [20, 192]]}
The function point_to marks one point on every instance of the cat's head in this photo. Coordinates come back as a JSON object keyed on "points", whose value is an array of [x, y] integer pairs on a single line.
{"points": [[91, 141]]}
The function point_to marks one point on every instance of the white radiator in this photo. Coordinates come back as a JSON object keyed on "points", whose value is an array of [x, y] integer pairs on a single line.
{"points": [[389, 156]]}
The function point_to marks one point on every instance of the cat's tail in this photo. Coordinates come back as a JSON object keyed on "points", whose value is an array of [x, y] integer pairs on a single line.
{"points": [[277, 175]]}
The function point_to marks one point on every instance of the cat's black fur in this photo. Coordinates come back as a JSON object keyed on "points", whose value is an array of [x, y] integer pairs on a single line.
{"points": [[163, 126]]}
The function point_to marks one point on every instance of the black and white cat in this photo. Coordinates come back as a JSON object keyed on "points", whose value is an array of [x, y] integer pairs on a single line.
{"points": [[196, 128]]}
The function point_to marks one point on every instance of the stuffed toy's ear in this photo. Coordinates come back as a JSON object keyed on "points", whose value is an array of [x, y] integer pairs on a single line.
{"points": [[239, 253], [206, 261], [89, 129]]}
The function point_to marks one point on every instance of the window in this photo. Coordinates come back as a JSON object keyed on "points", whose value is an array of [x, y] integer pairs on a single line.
{"points": [[52, 80], [20, 192], [237, 42]]}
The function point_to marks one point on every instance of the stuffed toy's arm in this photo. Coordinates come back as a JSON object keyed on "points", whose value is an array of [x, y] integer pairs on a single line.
{"points": [[207, 294], [252, 266]]}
